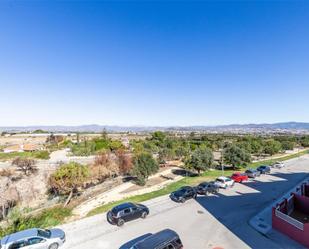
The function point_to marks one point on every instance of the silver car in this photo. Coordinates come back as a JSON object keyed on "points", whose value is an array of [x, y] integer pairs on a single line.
{"points": [[34, 239]]}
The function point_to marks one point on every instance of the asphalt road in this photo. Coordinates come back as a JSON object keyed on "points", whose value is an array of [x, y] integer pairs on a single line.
{"points": [[207, 222]]}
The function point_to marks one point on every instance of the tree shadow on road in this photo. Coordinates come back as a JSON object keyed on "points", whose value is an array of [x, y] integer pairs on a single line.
{"points": [[235, 209]]}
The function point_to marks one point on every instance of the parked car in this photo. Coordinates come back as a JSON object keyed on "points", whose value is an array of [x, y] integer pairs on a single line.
{"points": [[206, 188], [183, 194], [278, 165], [34, 238], [224, 182], [165, 239], [126, 212], [252, 173], [264, 169], [239, 177]]}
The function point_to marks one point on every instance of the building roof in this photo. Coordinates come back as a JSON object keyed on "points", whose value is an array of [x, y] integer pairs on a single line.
{"points": [[30, 147]]}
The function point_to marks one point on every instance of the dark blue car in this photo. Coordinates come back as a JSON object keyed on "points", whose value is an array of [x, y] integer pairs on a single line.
{"points": [[264, 169]]}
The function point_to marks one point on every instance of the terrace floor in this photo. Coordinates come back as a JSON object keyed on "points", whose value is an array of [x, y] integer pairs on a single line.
{"points": [[300, 216]]}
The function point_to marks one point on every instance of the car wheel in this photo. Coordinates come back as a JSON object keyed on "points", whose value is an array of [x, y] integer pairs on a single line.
{"points": [[120, 222], [53, 246], [240, 181], [194, 196], [144, 215], [182, 200]]}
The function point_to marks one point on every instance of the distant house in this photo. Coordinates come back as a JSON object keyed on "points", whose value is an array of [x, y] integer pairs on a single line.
{"points": [[22, 148]]}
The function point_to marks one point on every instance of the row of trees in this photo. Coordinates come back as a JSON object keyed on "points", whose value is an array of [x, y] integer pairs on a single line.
{"points": [[144, 157]]}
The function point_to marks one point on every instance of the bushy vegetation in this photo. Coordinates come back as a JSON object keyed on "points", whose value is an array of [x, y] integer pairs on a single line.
{"points": [[201, 160], [47, 218], [25, 165], [238, 150], [236, 156], [68, 179], [94, 146], [144, 165]]}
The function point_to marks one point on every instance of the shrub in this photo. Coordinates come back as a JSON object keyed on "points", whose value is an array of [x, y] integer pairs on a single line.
{"points": [[26, 165]]}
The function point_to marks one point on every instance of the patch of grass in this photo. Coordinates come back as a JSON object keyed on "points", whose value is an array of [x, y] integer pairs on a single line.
{"points": [[206, 176], [47, 218], [35, 155]]}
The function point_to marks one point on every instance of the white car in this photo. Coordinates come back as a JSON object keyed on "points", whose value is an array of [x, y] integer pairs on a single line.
{"points": [[34, 239], [224, 182], [278, 165]]}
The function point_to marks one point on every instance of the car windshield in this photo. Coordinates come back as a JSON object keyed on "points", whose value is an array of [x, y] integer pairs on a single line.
{"points": [[204, 184], [219, 180], [182, 190], [44, 233], [235, 175]]}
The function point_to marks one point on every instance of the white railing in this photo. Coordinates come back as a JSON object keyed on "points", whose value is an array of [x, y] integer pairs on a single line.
{"points": [[290, 204], [289, 220]]}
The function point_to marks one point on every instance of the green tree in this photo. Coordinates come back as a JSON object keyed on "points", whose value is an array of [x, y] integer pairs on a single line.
{"points": [[287, 145], [200, 160], [166, 154], [144, 165], [68, 179], [236, 156], [272, 147], [158, 136]]}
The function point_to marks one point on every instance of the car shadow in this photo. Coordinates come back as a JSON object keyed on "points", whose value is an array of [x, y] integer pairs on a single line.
{"points": [[234, 209]]}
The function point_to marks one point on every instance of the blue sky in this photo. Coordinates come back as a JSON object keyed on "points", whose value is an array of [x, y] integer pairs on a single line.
{"points": [[153, 63]]}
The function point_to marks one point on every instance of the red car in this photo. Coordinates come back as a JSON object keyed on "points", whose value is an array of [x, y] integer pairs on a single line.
{"points": [[239, 177]]}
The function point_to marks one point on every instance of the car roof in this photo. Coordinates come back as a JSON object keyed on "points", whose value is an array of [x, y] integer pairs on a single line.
{"points": [[223, 178], [19, 236], [123, 206], [157, 239]]}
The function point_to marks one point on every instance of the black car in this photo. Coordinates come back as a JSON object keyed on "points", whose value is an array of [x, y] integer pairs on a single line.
{"points": [[264, 169], [206, 188], [183, 194], [126, 212], [252, 173], [165, 239]]}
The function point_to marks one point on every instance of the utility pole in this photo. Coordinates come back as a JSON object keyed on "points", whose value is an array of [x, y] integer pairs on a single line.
{"points": [[222, 167]]}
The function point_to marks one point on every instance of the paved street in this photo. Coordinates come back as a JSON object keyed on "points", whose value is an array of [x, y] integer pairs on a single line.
{"points": [[207, 222]]}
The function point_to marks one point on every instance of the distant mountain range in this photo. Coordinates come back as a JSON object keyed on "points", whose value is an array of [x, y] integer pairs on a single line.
{"points": [[246, 128]]}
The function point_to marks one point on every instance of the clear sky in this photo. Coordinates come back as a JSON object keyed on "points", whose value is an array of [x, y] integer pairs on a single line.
{"points": [[153, 63]]}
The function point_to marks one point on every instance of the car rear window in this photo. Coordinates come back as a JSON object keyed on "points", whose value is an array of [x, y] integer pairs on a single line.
{"points": [[44, 233]]}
